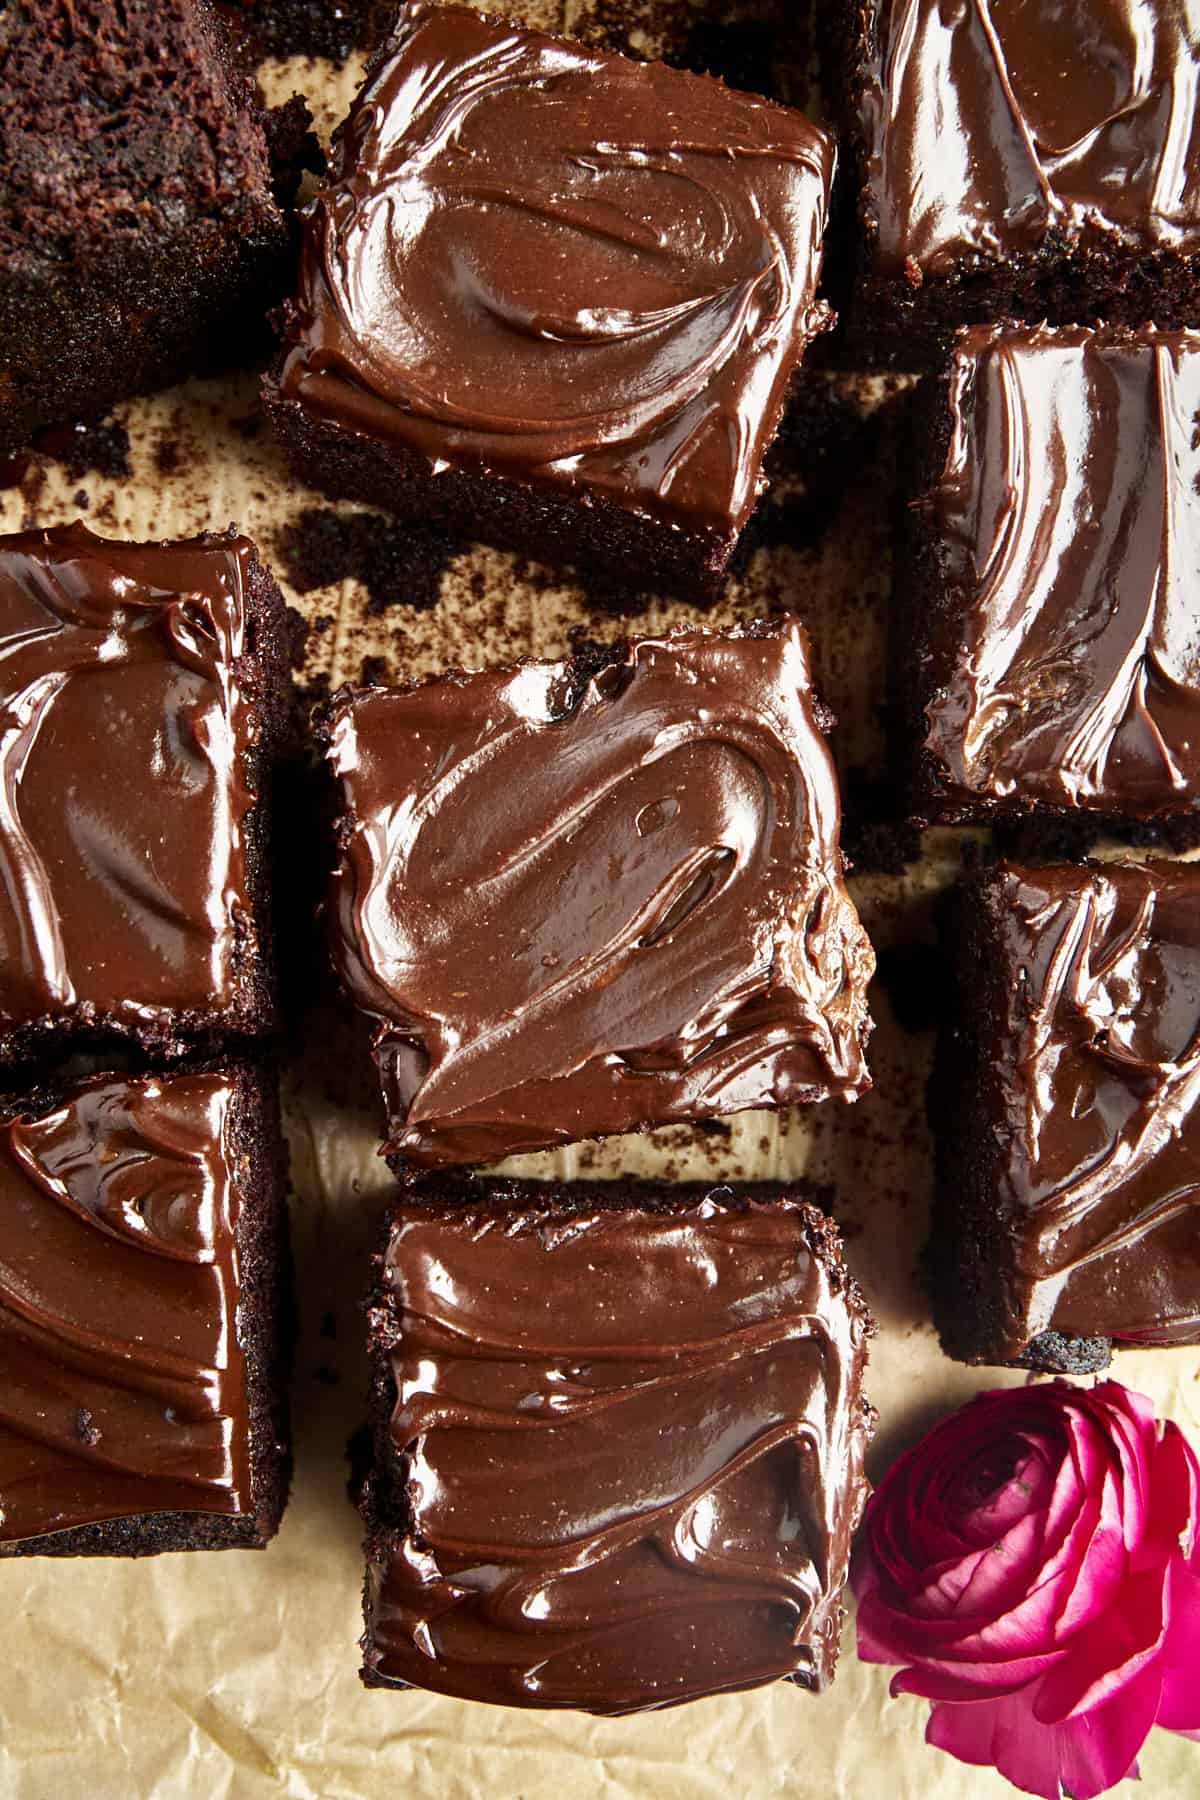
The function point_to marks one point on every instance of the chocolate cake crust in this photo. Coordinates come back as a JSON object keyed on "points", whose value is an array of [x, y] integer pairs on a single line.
{"points": [[142, 701], [143, 1330], [587, 897], [544, 280], [1065, 1107], [619, 1414]]}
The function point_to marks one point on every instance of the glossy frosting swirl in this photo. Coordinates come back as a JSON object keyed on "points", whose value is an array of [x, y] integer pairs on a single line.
{"points": [[1098, 1137], [122, 1383], [1067, 528], [581, 910], [122, 794], [631, 1445], [563, 266], [995, 126]]}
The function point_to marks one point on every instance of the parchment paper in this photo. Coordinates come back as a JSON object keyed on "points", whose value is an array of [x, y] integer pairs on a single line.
{"points": [[235, 1675]]}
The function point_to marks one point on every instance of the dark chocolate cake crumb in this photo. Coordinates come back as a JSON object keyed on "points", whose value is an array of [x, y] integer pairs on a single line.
{"points": [[874, 836], [398, 564], [81, 499], [83, 448], [298, 628], [168, 456], [247, 425], [293, 147], [86, 1429], [884, 846], [374, 671]]}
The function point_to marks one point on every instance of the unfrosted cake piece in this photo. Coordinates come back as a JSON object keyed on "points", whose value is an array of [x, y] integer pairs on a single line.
{"points": [[139, 236], [1035, 160], [594, 896], [1045, 603], [143, 700], [553, 298], [620, 1434], [1064, 1105], [143, 1315]]}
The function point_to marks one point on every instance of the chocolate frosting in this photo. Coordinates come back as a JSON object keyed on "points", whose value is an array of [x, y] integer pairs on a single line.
{"points": [[562, 266], [1068, 536], [123, 720], [581, 909], [631, 1446], [1098, 1133], [994, 127], [122, 1383]]}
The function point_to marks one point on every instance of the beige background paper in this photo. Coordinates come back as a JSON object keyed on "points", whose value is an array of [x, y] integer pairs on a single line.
{"points": [[234, 1677]]}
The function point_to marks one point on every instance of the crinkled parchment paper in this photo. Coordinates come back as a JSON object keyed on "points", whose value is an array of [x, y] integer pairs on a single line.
{"points": [[236, 1674]]}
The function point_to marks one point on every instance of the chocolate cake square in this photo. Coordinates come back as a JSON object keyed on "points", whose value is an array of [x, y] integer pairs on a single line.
{"points": [[1046, 601], [1037, 160], [595, 896], [620, 1441], [143, 698], [553, 298], [143, 1330], [139, 236], [1064, 1105]]}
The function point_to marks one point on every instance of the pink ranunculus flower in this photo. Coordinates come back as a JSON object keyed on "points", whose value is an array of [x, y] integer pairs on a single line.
{"points": [[1034, 1563]]}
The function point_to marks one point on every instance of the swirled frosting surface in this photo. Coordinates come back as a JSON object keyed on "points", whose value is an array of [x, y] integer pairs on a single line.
{"points": [[1099, 1137], [583, 906], [122, 794], [1067, 530], [631, 1447], [562, 266], [122, 1382], [996, 126]]}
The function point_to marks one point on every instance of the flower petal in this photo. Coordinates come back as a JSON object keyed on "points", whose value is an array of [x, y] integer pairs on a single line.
{"points": [[1123, 1642], [1179, 1708], [1033, 1568], [1175, 1494], [970, 1681], [996, 1734], [1082, 1757]]}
